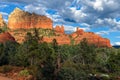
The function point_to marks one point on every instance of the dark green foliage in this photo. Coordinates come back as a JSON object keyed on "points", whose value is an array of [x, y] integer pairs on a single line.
{"points": [[7, 50], [87, 53], [113, 63], [55, 45], [68, 74], [47, 61], [50, 61]]}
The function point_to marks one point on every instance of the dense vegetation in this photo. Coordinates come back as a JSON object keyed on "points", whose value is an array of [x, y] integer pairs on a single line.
{"points": [[50, 61]]}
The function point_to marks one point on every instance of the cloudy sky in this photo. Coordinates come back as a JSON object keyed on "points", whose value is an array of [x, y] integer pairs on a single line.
{"points": [[99, 16]]}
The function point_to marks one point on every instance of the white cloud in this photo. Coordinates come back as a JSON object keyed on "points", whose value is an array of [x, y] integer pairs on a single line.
{"points": [[77, 14], [94, 13], [4, 13], [85, 28], [102, 32], [69, 28], [6, 20], [100, 13], [5, 16], [85, 24], [39, 9], [98, 5], [55, 17], [109, 22], [3, 6], [117, 43]]}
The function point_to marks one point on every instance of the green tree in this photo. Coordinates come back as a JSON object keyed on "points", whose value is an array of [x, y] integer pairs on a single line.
{"points": [[47, 60], [7, 50], [87, 52], [28, 51], [113, 63]]}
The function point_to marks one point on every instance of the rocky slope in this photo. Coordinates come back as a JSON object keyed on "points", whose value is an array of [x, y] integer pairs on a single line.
{"points": [[21, 19]]}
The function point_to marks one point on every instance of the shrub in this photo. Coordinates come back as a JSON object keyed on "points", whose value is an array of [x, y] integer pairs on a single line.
{"points": [[24, 73]]}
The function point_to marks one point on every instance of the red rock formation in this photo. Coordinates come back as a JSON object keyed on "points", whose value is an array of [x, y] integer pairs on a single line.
{"points": [[21, 19], [59, 29], [62, 39], [91, 38], [4, 37], [2, 23]]}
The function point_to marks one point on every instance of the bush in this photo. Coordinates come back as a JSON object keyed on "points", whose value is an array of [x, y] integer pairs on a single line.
{"points": [[24, 73], [70, 74]]}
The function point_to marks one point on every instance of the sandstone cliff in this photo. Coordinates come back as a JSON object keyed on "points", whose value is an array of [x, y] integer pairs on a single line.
{"points": [[21, 22], [48, 35], [61, 39], [4, 37], [21, 19], [2, 23], [91, 38]]}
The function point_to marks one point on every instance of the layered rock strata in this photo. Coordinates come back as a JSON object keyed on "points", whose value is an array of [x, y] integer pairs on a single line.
{"points": [[91, 38], [20, 19]]}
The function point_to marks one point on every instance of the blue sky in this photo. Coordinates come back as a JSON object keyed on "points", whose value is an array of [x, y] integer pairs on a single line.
{"points": [[99, 16]]}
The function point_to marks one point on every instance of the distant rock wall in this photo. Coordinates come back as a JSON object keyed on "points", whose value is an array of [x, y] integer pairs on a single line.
{"points": [[21, 19]]}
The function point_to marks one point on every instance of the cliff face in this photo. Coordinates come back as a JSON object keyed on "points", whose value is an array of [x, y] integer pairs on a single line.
{"points": [[62, 38], [2, 23], [91, 38], [4, 37], [21, 19]]}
